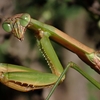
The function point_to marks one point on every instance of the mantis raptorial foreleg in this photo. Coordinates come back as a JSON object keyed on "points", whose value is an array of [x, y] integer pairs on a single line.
{"points": [[26, 79], [19, 78]]}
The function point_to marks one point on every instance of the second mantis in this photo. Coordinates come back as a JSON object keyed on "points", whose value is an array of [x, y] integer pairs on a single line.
{"points": [[26, 79]]}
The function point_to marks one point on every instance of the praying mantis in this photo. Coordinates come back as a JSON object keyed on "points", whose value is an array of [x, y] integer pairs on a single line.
{"points": [[25, 79]]}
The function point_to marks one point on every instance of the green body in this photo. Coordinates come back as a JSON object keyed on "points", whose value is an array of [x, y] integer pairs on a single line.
{"points": [[26, 79]]}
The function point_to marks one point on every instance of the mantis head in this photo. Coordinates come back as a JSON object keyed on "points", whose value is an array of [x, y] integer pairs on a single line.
{"points": [[17, 25]]}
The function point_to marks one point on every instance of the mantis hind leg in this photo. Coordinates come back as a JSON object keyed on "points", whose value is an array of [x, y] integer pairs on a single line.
{"points": [[74, 66], [88, 77]]}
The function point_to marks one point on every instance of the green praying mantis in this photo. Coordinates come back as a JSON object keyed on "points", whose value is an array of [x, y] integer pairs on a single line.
{"points": [[25, 79]]}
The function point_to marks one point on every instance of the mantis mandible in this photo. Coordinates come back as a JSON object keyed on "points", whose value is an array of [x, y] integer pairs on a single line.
{"points": [[25, 79]]}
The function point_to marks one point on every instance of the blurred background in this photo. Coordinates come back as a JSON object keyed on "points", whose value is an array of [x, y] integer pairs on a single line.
{"points": [[77, 18]]}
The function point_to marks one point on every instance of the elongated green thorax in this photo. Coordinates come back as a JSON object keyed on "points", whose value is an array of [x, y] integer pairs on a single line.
{"points": [[65, 40]]}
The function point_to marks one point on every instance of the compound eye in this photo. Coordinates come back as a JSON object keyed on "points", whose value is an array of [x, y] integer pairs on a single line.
{"points": [[7, 27], [25, 19]]}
